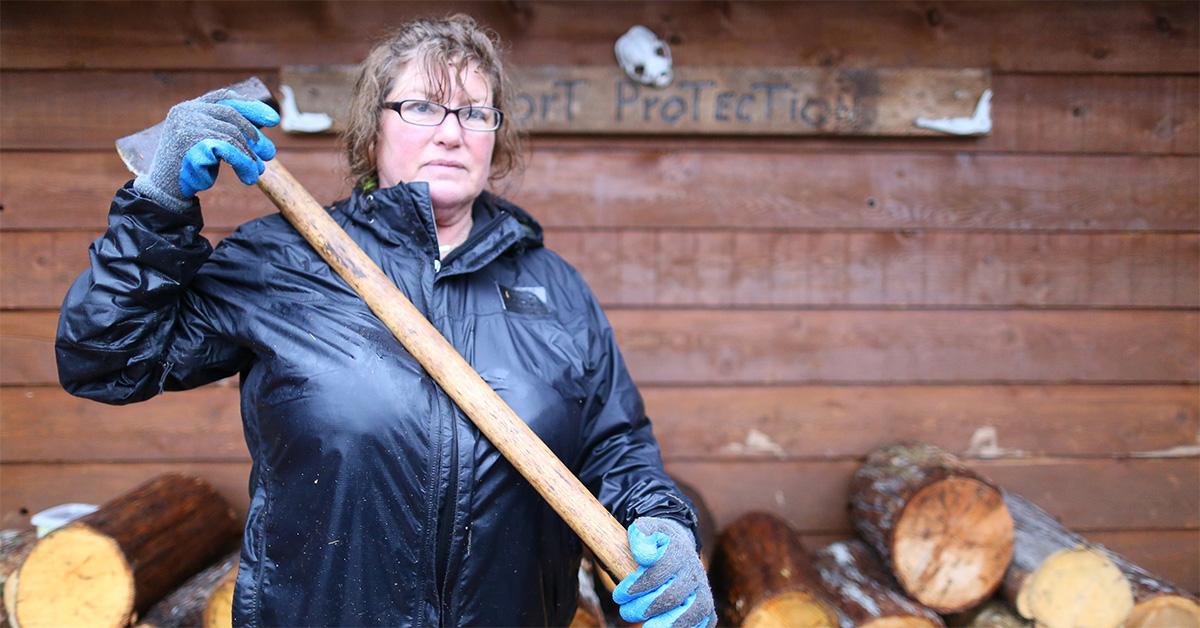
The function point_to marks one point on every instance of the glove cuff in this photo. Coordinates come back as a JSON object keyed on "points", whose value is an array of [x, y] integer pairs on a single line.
{"points": [[144, 185]]}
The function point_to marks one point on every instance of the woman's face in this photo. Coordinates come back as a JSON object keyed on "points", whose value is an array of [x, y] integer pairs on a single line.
{"points": [[454, 161]]}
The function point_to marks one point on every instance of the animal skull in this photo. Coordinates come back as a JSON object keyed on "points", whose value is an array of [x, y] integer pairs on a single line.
{"points": [[644, 57]]}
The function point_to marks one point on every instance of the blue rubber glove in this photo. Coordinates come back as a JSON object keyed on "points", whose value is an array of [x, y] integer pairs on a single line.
{"points": [[670, 588], [197, 136]]}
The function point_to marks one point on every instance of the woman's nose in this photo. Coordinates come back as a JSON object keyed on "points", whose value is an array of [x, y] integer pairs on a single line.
{"points": [[450, 131]]}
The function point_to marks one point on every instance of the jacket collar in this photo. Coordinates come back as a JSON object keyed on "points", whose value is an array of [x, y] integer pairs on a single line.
{"points": [[403, 215]]}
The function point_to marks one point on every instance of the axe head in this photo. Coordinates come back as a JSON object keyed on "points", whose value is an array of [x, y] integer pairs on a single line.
{"points": [[137, 150]]}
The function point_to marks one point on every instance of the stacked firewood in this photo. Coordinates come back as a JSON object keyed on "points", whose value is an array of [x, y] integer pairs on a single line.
{"points": [[110, 567], [938, 541], [940, 545]]}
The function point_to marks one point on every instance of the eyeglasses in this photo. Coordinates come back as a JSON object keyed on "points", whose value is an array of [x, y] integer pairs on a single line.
{"points": [[425, 113]]}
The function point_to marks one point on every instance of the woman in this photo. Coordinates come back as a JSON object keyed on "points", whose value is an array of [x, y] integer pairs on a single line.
{"points": [[374, 501]]}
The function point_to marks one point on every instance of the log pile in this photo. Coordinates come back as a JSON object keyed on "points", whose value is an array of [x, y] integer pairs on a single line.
{"points": [[105, 568], [939, 538]]}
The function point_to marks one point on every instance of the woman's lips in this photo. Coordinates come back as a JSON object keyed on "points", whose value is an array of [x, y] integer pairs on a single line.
{"points": [[447, 164]]}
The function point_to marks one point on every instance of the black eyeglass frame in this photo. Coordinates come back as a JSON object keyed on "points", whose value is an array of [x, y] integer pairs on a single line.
{"points": [[446, 111]]}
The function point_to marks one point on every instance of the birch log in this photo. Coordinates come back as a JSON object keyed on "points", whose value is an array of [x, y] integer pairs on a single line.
{"points": [[941, 529], [864, 592], [1059, 578]]}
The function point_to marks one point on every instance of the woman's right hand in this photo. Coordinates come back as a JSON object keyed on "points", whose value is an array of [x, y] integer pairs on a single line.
{"points": [[199, 134]]}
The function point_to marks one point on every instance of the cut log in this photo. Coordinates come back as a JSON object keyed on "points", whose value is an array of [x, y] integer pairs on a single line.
{"points": [[941, 529], [1059, 578], [219, 611], [14, 547], [1156, 602], [119, 560], [991, 614], [763, 576], [190, 604], [865, 593]]}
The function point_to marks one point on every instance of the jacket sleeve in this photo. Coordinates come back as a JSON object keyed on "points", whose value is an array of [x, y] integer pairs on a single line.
{"points": [[130, 327], [621, 464]]}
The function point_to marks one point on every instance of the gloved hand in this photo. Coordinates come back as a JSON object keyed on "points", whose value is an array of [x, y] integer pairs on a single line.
{"points": [[670, 587], [197, 135]]}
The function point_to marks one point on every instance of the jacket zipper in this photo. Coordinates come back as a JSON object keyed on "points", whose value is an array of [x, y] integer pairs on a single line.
{"points": [[474, 238], [448, 510]]}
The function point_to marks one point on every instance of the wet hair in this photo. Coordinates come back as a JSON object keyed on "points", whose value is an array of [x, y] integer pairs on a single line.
{"points": [[443, 48]]}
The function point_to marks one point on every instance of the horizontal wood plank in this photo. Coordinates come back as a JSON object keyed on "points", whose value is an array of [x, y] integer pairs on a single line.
{"points": [[44, 423], [1052, 113], [784, 269], [739, 423], [1025, 36], [1085, 494], [709, 189], [889, 269], [707, 347]]}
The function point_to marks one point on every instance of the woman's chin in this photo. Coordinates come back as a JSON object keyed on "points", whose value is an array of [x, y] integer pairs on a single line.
{"points": [[449, 195]]}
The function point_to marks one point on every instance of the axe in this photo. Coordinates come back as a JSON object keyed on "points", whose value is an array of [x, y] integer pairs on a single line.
{"points": [[511, 436]]}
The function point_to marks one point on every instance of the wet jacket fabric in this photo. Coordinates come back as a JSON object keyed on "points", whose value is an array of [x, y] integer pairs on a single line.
{"points": [[373, 499]]}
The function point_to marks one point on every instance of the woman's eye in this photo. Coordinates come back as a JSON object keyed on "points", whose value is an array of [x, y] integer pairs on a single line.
{"points": [[477, 114], [421, 107]]}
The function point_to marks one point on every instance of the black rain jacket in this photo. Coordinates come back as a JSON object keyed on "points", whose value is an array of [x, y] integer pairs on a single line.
{"points": [[373, 499]]}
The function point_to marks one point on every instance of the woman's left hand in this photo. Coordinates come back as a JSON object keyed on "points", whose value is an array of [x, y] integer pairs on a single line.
{"points": [[670, 588]]}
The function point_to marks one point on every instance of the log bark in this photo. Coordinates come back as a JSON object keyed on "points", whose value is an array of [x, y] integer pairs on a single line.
{"points": [[1113, 591], [190, 604], [940, 528], [588, 613], [763, 576], [864, 592], [109, 565], [14, 547]]}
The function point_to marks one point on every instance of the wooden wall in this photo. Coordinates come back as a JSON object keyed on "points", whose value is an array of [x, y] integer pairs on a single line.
{"points": [[1029, 299]]}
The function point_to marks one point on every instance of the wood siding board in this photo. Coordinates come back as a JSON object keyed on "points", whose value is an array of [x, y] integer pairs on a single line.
{"points": [[704, 347], [1027, 36], [714, 189], [698, 347], [744, 423], [1085, 494], [1126, 114], [1091, 494]]}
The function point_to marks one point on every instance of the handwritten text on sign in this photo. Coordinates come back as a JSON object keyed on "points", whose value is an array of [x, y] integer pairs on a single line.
{"points": [[713, 100]]}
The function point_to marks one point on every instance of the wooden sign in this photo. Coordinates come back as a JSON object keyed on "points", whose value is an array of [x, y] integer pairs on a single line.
{"points": [[713, 100]]}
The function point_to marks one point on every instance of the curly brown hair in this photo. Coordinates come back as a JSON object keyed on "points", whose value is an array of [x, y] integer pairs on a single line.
{"points": [[438, 45]]}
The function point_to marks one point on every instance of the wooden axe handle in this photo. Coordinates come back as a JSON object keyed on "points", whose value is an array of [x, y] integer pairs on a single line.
{"points": [[532, 458]]}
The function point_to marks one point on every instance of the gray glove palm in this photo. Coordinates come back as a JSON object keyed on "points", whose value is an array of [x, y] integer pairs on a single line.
{"points": [[197, 135], [670, 588]]}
